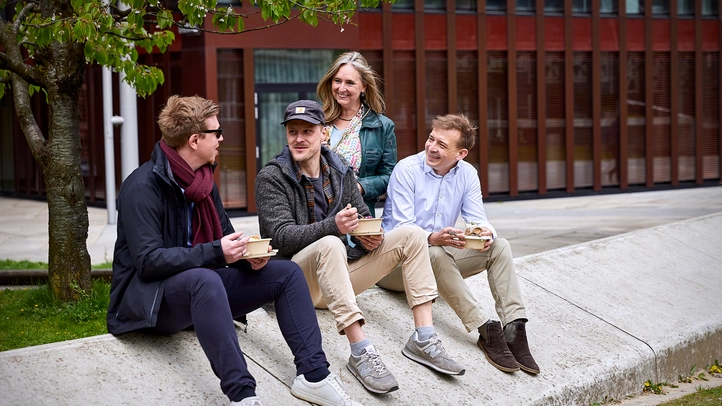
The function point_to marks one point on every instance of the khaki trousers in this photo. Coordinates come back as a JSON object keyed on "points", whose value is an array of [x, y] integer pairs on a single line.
{"points": [[451, 266], [334, 282]]}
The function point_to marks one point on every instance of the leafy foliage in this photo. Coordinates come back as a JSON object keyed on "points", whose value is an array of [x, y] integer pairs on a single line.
{"points": [[112, 37]]}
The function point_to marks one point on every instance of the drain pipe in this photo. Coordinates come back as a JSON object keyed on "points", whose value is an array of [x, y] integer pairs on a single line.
{"points": [[129, 130], [109, 120]]}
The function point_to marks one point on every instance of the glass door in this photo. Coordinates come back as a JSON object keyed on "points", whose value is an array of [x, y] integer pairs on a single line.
{"points": [[271, 103]]}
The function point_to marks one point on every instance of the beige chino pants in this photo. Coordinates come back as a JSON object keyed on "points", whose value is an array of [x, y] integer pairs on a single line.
{"points": [[451, 266], [334, 282]]}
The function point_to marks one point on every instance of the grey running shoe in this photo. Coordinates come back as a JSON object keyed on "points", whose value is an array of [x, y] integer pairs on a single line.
{"points": [[371, 371], [432, 354]]}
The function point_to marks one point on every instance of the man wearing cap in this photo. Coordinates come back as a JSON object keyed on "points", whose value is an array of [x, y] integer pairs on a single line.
{"points": [[308, 202], [179, 263]]}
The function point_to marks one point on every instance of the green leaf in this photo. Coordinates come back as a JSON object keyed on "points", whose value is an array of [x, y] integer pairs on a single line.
{"points": [[76, 4], [2, 90]]}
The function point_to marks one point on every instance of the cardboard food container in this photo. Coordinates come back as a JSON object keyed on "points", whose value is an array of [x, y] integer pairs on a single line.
{"points": [[476, 242], [257, 246], [368, 226]]}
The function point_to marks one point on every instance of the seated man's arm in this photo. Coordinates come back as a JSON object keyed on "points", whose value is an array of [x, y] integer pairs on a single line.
{"points": [[472, 206], [277, 215], [145, 221], [400, 208]]}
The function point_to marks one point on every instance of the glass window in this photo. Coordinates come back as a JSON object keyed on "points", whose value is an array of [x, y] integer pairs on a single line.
{"points": [[582, 6], [525, 5], [495, 5], [434, 5], [553, 6], [710, 7], [466, 5], [685, 7], [660, 7], [403, 5], [609, 6], [635, 6]]}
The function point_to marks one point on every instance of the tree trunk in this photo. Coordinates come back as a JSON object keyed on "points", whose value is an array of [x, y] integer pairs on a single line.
{"points": [[68, 257]]}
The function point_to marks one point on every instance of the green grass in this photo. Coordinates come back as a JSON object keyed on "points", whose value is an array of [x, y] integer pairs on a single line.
{"points": [[703, 397], [9, 264], [32, 316]]}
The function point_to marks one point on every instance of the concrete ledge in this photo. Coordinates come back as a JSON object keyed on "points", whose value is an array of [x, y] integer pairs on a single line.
{"points": [[34, 276], [605, 316]]}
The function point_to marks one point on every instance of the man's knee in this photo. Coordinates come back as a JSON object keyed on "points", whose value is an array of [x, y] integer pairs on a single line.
{"points": [[414, 234], [501, 246], [203, 281]]}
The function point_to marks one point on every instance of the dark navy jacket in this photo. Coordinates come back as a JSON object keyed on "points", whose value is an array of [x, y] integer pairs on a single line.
{"points": [[152, 244]]}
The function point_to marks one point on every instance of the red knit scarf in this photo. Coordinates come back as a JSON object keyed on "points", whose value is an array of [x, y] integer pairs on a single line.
{"points": [[205, 224]]}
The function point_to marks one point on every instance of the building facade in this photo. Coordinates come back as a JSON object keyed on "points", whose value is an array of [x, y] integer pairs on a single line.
{"points": [[571, 96]]}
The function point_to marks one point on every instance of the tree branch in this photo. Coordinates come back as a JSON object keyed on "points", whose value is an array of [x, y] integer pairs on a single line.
{"points": [[11, 59], [30, 127], [5, 79], [21, 16]]}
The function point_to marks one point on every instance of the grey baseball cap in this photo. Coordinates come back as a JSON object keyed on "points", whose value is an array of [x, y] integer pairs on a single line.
{"points": [[306, 110]]}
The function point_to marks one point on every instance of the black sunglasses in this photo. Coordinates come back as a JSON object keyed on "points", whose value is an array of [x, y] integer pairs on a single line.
{"points": [[218, 132]]}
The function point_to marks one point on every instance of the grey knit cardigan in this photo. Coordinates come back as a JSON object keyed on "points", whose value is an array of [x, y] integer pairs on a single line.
{"points": [[283, 213]]}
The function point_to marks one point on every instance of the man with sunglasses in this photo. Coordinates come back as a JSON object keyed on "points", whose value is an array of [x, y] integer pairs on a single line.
{"points": [[178, 263]]}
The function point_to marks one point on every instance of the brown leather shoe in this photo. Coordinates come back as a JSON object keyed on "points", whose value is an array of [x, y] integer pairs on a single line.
{"points": [[517, 343], [491, 341]]}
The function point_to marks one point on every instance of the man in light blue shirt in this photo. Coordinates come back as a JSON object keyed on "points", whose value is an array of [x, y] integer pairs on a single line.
{"points": [[431, 189]]}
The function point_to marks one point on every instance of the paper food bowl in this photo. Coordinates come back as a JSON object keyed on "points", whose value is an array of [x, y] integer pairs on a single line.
{"points": [[476, 242], [260, 246], [368, 226]]}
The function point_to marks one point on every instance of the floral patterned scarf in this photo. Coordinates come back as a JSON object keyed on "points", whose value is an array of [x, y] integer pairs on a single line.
{"points": [[349, 147]]}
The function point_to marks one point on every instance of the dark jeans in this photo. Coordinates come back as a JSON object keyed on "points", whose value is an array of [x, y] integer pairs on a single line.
{"points": [[209, 300]]}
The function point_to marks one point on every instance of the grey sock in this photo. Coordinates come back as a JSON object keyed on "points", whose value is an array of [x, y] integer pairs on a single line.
{"points": [[358, 348], [510, 330], [425, 332]]}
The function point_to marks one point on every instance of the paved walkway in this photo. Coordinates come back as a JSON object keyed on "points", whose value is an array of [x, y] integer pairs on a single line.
{"points": [[532, 226]]}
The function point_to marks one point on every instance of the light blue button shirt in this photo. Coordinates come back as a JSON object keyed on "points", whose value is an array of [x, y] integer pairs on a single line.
{"points": [[417, 195]]}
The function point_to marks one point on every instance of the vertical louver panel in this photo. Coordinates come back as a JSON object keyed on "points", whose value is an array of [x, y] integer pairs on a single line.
{"points": [[232, 153], [661, 143], [405, 102], [636, 120], [527, 121], [685, 116], [609, 77], [376, 61], [498, 121], [437, 93], [583, 153], [555, 124], [710, 115], [467, 64]]}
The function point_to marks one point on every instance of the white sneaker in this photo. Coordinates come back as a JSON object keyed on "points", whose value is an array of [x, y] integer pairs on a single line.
{"points": [[328, 392], [252, 401]]}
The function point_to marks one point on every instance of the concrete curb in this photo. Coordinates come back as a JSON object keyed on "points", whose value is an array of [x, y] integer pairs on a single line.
{"points": [[605, 316], [34, 276]]}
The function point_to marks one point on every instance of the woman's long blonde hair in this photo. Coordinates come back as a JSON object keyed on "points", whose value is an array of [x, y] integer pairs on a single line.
{"points": [[373, 97]]}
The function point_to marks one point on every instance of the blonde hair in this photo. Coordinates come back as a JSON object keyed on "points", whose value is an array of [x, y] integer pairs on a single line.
{"points": [[460, 123], [183, 116], [373, 98]]}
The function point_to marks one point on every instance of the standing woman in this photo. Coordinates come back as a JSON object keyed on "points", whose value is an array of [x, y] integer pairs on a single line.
{"points": [[359, 132]]}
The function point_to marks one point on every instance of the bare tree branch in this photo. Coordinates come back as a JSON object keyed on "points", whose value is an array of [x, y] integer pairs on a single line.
{"points": [[6, 79], [24, 111], [21, 16], [11, 59]]}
